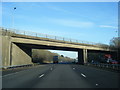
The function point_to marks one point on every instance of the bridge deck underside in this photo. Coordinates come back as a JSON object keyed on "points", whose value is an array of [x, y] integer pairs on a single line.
{"points": [[51, 44]]}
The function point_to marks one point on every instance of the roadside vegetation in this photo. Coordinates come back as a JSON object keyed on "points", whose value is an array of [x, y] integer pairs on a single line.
{"points": [[115, 43], [45, 56]]}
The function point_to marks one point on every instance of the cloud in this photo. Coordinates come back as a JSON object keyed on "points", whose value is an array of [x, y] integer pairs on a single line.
{"points": [[108, 26], [73, 23]]}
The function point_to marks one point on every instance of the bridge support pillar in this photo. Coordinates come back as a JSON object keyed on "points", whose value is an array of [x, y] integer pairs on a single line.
{"points": [[82, 56]]}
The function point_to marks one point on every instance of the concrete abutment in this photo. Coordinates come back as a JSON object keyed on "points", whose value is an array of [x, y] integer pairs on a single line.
{"points": [[20, 55], [13, 54], [6, 45]]}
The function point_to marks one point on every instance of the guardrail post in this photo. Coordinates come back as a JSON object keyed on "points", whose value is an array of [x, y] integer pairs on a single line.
{"points": [[107, 66], [113, 67]]}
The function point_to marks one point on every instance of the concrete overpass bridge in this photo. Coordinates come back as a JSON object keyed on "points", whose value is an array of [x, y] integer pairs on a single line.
{"points": [[17, 46]]}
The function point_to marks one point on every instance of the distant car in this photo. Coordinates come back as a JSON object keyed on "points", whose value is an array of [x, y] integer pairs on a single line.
{"points": [[110, 61]]}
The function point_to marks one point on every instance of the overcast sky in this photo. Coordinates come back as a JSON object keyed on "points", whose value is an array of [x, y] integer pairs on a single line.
{"points": [[89, 21]]}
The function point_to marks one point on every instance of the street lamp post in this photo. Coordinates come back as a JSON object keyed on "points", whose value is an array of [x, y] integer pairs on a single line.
{"points": [[13, 18]]}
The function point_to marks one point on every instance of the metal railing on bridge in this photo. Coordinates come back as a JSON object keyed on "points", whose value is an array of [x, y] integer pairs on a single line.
{"points": [[29, 33]]}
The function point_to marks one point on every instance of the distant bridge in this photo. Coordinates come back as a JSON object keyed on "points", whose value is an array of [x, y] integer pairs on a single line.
{"points": [[17, 46]]}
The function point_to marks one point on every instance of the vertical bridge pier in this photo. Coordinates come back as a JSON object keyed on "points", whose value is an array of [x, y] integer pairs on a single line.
{"points": [[82, 56]]}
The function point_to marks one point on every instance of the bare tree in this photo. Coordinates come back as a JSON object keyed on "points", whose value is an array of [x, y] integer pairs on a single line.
{"points": [[115, 42]]}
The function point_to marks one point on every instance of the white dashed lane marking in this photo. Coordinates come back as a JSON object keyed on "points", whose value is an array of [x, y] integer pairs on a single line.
{"points": [[51, 69], [41, 75], [83, 75], [73, 68], [96, 84]]}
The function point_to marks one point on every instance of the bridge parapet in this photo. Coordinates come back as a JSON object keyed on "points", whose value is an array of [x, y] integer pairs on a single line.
{"points": [[33, 35]]}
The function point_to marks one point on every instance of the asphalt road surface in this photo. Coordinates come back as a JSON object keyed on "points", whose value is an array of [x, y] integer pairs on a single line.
{"points": [[60, 76]]}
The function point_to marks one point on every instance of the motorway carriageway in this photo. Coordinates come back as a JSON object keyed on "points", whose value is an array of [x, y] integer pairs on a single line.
{"points": [[60, 76]]}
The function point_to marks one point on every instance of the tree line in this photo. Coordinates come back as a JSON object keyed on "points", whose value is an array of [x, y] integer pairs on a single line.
{"points": [[45, 56]]}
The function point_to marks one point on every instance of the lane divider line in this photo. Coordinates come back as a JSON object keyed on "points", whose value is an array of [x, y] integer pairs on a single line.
{"points": [[20, 71], [73, 68], [83, 75], [41, 75], [96, 84]]}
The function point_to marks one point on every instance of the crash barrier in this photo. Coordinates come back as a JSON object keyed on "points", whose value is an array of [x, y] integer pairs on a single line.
{"points": [[17, 66], [105, 66]]}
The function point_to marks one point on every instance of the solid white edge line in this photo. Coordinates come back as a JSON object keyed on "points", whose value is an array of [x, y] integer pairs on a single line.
{"points": [[83, 75], [13, 73]]}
